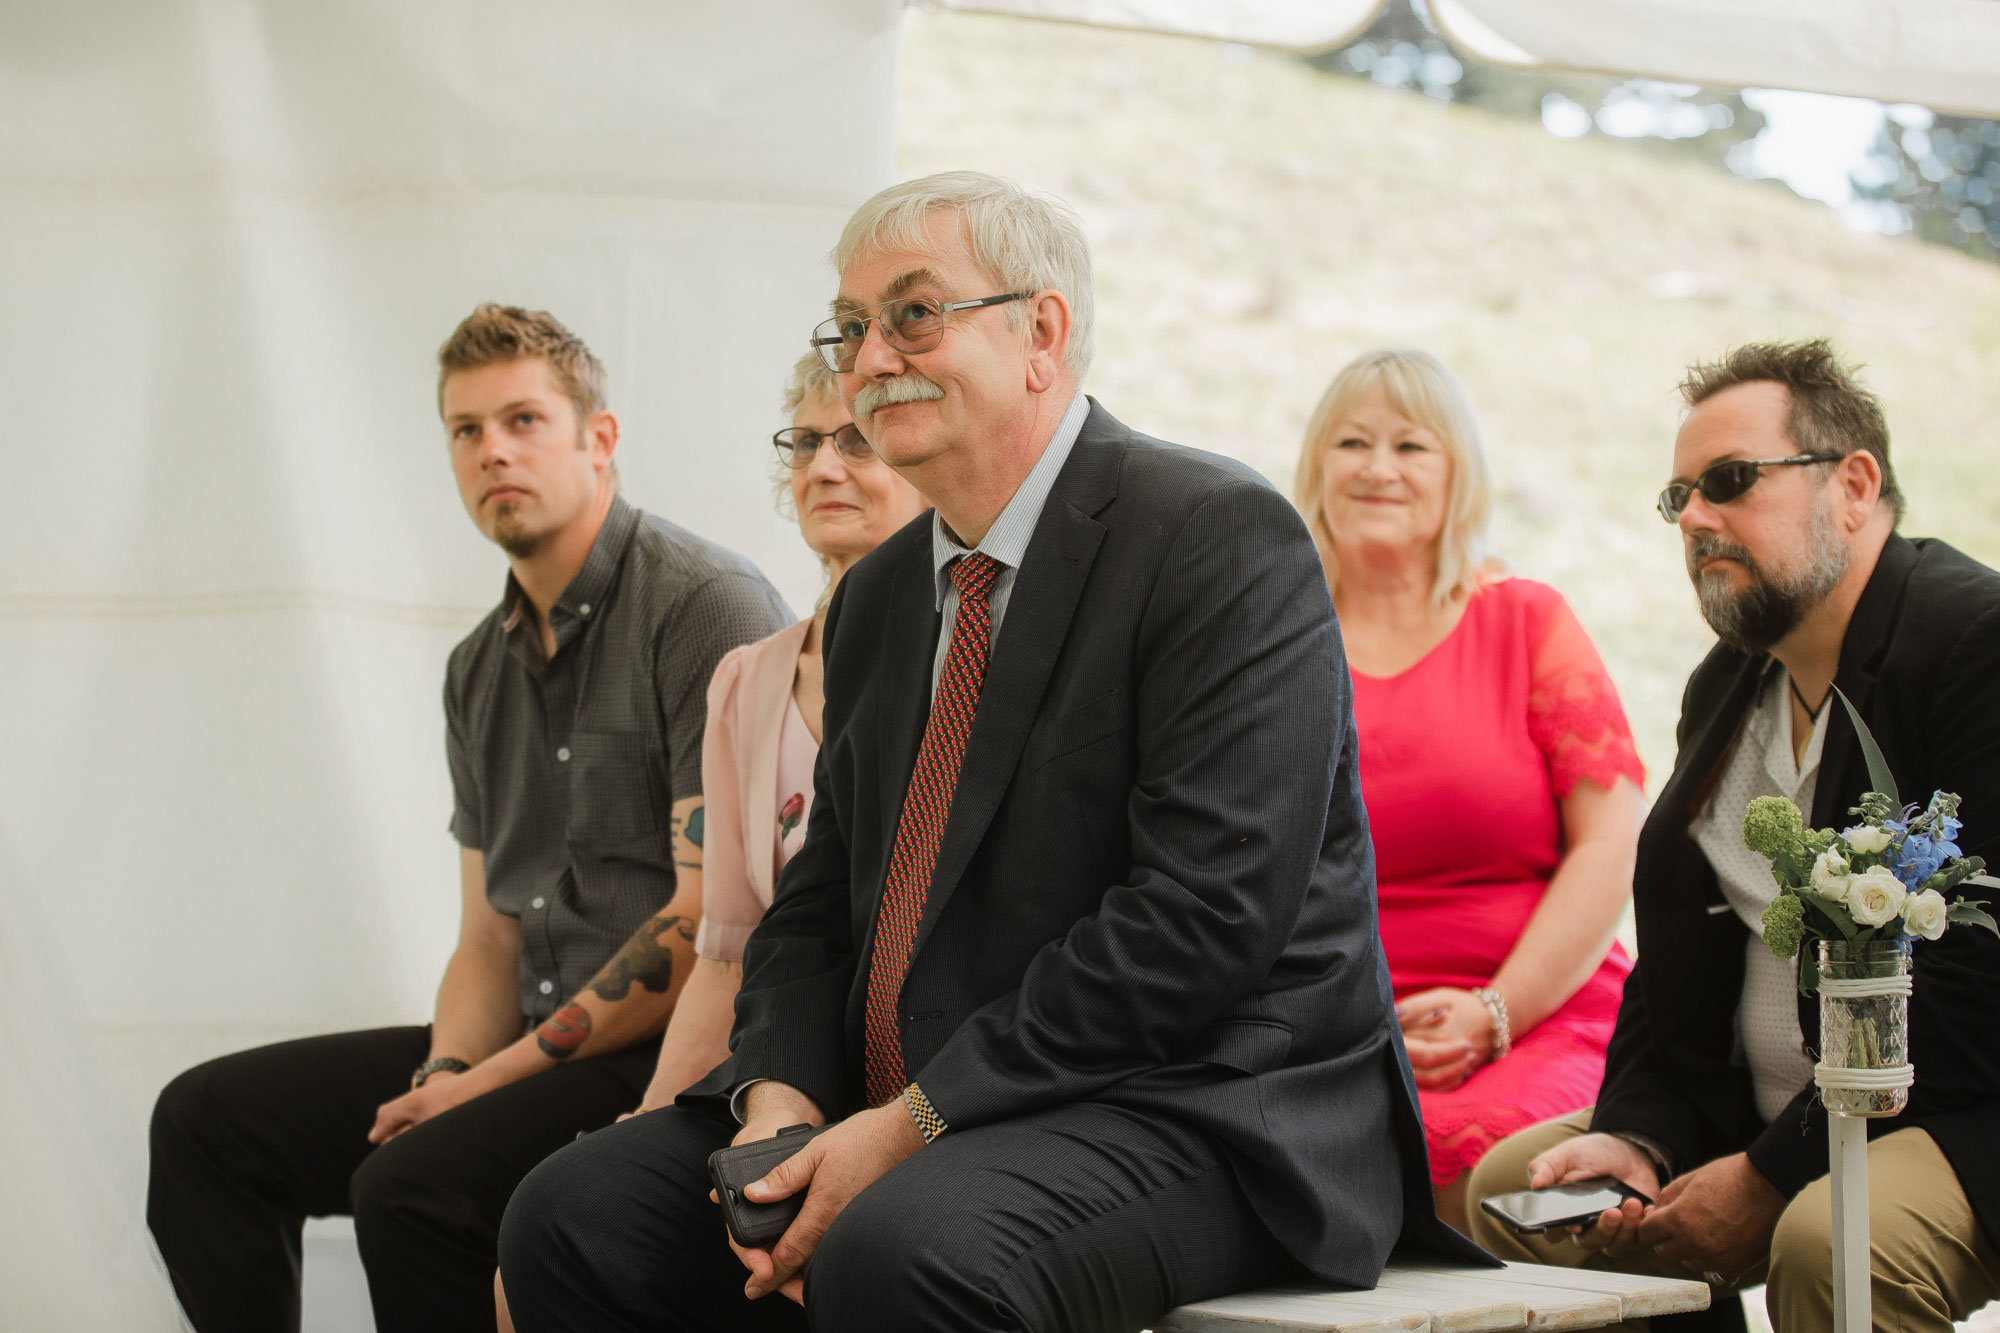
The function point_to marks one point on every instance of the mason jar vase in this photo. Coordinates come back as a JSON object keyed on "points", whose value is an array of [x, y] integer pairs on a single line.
{"points": [[1864, 1027]]}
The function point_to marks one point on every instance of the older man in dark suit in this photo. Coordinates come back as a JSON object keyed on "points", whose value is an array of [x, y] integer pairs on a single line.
{"points": [[1080, 950], [1787, 508]]}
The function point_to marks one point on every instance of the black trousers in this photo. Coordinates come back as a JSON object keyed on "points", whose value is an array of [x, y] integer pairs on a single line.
{"points": [[1082, 1217], [246, 1147]]}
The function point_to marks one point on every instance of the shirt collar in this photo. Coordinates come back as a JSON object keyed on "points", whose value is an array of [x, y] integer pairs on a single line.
{"points": [[1007, 540], [1770, 729], [582, 599]]}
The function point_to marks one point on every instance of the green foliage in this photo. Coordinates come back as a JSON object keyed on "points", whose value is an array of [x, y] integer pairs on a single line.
{"points": [[1875, 807], [1772, 826], [1953, 873], [1944, 172], [1963, 913], [1835, 915], [1784, 924], [1879, 776]]}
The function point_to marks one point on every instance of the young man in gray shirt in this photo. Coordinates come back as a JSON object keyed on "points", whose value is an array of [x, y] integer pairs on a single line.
{"points": [[575, 712]]}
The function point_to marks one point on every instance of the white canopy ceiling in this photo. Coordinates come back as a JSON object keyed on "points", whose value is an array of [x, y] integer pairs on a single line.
{"points": [[1942, 53]]}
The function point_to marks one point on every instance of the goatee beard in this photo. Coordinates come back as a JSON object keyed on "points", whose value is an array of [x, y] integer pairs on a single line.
{"points": [[509, 534], [1755, 617]]}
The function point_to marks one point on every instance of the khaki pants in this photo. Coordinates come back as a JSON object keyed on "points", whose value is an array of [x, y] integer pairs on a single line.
{"points": [[1930, 1263]]}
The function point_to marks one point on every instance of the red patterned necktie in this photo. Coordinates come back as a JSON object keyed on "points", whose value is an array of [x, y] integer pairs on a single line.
{"points": [[921, 827]]}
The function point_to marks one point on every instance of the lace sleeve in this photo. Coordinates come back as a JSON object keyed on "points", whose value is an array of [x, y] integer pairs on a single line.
{"points": [[1573, 709]]}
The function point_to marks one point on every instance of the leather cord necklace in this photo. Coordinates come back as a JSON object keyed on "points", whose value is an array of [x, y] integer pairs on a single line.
{"points": [[1811, 712]]}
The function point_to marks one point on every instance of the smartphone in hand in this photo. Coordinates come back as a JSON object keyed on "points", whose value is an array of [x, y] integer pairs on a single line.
{"points": [[757, 1226], [1531, 1212]]}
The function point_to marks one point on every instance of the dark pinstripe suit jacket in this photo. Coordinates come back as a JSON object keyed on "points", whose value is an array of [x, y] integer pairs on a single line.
{"points": [[1156, 887]]}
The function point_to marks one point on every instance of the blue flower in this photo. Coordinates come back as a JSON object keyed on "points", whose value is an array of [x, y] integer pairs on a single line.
{"points": [[1919, 858], [1946, 836]]}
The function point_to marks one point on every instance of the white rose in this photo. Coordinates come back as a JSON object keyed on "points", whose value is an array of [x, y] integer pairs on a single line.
{"points": [[1829, 876], [1869, 840], [1874, 897], [1923, 914]]}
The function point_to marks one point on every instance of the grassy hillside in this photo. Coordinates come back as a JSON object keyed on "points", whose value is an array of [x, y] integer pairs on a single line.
{"points": [[1256, 224]]}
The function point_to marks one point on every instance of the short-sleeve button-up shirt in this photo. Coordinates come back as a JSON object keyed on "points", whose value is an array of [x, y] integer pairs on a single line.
{"points": [[565, 768]]}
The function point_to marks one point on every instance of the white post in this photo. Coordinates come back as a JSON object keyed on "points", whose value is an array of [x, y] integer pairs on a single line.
{"points": [[1847, 1150]]}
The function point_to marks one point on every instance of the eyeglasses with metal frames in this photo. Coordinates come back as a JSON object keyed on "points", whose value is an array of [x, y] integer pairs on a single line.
{"points": [[1726, 481], [909, 324], [799, 445]]}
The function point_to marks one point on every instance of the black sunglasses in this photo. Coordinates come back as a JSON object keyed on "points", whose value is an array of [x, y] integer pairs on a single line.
{"points": [[798, 445], [1727, 481]]}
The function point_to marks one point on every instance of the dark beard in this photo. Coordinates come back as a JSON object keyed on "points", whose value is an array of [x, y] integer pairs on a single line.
{"points": [[1754, 618]]}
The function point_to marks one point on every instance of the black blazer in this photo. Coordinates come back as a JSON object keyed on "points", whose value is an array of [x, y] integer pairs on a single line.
{"points": [[1156, 887], [1921, 661]]}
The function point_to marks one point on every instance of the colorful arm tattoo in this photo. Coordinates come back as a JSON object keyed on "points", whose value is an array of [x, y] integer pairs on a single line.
{"points": [[565, 1030]]}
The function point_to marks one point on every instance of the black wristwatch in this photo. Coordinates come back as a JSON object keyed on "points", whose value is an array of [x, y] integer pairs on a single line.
{"points": [[437, 1064]]}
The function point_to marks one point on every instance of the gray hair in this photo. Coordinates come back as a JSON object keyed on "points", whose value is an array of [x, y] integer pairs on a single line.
{"points": [[1028, 242], [810, 380]]}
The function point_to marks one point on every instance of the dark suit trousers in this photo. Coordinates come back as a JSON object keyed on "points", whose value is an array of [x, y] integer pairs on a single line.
{"points": [[246, 1147], [1082, 1217]]}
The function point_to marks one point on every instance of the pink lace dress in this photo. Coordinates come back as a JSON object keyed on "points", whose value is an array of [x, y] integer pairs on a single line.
{"points": [[1464, 758]]}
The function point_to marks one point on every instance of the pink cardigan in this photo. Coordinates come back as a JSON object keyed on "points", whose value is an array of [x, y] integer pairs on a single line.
{"points": [[747, 702]]}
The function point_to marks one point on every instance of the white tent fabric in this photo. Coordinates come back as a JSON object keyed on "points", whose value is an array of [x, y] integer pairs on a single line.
{"points": [[1942, 53], [232, 235]]}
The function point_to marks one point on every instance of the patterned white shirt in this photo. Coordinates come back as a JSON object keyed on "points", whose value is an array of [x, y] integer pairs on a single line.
{"points": [[1767, 1017], [1007, 540]]}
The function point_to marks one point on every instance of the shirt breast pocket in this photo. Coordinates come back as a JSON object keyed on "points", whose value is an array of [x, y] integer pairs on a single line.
{"points": [[613, 806]]}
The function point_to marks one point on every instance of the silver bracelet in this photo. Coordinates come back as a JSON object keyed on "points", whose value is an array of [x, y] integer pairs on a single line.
{"points": [[1496, 1005]]}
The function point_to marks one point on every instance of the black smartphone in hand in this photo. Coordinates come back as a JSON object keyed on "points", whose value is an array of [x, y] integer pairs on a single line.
{"points": [[757, 1226], [1531, 1212]]}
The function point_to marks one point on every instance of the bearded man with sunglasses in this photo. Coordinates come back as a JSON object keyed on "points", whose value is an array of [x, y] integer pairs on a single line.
{"points": [[1078, 959], [1787, 509]]}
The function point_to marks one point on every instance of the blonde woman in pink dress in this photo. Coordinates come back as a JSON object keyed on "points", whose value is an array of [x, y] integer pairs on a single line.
{"points": [[764, 708], [1502, 785]]}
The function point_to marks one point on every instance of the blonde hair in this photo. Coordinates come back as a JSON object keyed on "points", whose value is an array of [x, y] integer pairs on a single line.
{"points": [[1028, 242], [495, 333], [1417, 385]]}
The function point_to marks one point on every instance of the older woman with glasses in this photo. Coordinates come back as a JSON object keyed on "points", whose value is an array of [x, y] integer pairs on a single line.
{"points": [[764, 718], [763, 731], [1498, 770]]}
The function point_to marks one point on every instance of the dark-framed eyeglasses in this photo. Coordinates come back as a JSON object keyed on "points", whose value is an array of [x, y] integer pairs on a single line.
{"points": [[798, 446], [909, 324], [1727, 481]]}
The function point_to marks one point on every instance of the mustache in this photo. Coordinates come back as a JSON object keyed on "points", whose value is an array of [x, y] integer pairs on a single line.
{"points": [[1708, 547], [908, 387]]}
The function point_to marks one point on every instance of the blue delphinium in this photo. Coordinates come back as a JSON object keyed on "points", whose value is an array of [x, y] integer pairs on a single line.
{"points": [[1931, 843]]}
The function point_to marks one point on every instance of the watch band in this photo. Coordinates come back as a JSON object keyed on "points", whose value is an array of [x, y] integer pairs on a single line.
{"points": [[437, 1064], [929, 1123]]}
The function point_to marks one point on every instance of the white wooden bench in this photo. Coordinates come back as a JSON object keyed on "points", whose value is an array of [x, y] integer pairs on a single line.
{"points": [[1432, 1298]]}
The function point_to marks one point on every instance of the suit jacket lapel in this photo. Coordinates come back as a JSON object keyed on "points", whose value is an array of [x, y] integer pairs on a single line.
{"points": [[1709, 743], [1861, 652], [905, 684], [1046, 591]]}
